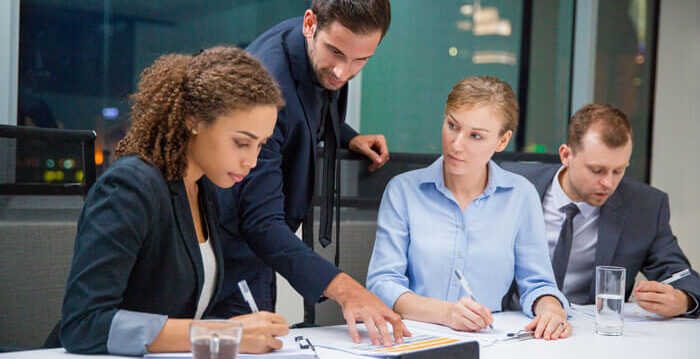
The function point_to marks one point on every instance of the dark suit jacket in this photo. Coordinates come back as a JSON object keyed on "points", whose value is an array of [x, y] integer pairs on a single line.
{"points": [[260, 214], [633, 231], [136, 249]]}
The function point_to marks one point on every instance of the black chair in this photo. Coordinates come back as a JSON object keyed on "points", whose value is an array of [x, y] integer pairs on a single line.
{"points": [[44, 176], [361, 193]]}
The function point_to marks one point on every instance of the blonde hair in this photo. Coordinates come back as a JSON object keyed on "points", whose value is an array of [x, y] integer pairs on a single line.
{"points": [[471, 92]]}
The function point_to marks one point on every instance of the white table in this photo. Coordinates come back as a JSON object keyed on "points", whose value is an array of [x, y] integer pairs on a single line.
{"points": [[673, 338]]}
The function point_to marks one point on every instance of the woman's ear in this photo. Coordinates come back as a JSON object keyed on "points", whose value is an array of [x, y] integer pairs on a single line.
{"points": [[193, 126], [503, 140]]}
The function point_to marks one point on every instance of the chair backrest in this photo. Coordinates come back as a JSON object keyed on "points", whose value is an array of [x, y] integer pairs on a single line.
{"points": [[44, 174], [361, 193]]}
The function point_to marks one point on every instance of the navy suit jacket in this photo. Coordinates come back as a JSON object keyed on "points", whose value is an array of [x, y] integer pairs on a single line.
{"points": [[260, 214], [633, 231], [136, 250]]}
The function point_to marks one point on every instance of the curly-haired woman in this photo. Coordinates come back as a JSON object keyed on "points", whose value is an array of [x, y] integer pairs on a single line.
{"points": [[147, 256]]}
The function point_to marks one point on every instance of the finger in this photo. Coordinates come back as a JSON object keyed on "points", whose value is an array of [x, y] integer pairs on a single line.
{"points": [[479, 310], [274, 344], [567, 331], [278, 330], [367, 149], [651, 306], [352, 328], [406, 332], [383, 332], [560, 329], [552, 325], [274, 318], [398, 327], [539, 330], [372, 331], [641, 285], [533, 324], [475, 322], [381, 147], [651, 297]]}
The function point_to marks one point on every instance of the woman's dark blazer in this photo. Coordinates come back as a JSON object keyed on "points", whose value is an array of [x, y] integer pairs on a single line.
{"points": [[136, 260]]}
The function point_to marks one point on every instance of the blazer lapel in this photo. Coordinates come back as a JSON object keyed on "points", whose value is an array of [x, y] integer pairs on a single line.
{"points": [[183, 217], [610, 226]]}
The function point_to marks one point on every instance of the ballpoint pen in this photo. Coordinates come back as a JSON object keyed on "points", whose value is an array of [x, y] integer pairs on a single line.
{"points": [[676, 276], [248, 296], [465, 287]]}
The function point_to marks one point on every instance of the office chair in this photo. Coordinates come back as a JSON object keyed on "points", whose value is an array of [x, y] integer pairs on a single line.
{"points": [[44, 176]]}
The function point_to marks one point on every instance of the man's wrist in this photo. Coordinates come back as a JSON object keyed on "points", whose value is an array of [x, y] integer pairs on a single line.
{"points": [[692, 304], [337, 287]]}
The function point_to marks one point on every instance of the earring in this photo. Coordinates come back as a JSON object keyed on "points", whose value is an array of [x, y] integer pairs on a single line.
{"points": [[194, 132]]}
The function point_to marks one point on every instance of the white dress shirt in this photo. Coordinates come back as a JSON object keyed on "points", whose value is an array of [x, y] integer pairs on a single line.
{"points": [[579, 273]]}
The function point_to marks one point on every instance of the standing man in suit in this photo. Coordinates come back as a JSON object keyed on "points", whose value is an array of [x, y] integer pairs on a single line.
{"points": [[312, 58], [595, 216]]}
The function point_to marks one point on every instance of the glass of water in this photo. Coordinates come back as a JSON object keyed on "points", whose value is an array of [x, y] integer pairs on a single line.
{"points": [[215, 339], [609, 299]]}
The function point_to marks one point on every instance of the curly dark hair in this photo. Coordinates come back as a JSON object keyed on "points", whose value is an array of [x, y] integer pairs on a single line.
{"points": [[199, 87]]}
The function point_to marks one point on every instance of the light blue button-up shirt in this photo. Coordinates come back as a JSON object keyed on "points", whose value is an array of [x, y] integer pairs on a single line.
{"points": [[423, 236]]}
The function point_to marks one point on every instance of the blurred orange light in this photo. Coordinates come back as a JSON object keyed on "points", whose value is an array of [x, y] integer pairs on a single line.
{"points": [[99, 157]]}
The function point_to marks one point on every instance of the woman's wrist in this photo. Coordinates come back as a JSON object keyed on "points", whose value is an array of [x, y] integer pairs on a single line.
{"points": [[546, 302]]}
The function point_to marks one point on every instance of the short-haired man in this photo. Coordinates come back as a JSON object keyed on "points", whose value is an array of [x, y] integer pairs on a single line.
{"points": [[312, 58], [595, 216]]}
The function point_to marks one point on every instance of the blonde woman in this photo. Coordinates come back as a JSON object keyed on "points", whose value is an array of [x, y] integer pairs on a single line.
{"points": [[465, 212]]}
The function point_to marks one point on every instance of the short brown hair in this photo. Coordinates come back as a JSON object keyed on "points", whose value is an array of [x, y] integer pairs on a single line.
{"points": [[612, 124], [200, 87], [359, 16], [474, 91]]}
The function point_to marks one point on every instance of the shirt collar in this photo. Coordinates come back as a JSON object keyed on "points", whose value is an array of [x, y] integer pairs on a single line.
{"points": [[498, 177], [561, 199]]}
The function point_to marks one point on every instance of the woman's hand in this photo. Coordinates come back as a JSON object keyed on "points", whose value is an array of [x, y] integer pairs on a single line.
{"points": [[467, 315], [550, 321], [260, 330]]}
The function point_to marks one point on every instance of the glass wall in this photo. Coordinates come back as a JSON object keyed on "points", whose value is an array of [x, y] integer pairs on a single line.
{"points": [[429, 47], [79, 60], [625, 63]]}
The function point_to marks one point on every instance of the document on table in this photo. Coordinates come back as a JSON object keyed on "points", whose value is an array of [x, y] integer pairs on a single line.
{"points": [[337, 338], [633, 313], [290, 350], [425, 336]]}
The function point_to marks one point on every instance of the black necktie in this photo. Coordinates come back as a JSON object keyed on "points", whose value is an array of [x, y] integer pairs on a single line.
{"points": [[561, 252], [330, 183]]}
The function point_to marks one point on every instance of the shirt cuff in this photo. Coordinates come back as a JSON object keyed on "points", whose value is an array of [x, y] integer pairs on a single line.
{"points": [[528, 302], [131, 332], [692, 312], [390, 292]]}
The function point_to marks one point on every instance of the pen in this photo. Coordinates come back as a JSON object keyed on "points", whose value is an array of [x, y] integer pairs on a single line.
{"points": [[676, 276], [465, 287], [248, 296]]}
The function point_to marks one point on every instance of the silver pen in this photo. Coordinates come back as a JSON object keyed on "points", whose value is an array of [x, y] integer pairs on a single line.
{"points": [[676, 276], [465, 287], [248, 296]]}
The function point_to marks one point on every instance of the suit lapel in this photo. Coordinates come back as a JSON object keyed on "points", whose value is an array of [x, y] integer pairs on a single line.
{"points": [[300, 68], [183, 217], [610, 226]]}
